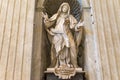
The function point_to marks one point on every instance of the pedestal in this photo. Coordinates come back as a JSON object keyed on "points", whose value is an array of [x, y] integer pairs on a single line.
{"points": [[78, 76]]}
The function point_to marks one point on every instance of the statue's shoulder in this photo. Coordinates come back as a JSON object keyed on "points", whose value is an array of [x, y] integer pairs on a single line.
{"points": [[54, 17], [72, 17], [56, 14]]}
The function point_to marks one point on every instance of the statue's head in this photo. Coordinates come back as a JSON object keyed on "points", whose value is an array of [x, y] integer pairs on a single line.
{"points": [[64, 8]]}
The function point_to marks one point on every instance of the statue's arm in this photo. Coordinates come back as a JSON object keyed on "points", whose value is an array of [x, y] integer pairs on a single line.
{"points": [[49, 21], [56, 31], [74, 24], [79, 26]]}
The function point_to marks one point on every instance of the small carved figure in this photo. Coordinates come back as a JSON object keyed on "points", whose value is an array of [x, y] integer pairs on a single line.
{"points": [[65, 44]]}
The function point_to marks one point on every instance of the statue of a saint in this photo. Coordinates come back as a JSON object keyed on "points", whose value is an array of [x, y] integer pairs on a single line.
{"points": [[65, 40]]}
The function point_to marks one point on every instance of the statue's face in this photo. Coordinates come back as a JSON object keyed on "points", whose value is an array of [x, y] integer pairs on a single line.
{"points": [[65, 8]]}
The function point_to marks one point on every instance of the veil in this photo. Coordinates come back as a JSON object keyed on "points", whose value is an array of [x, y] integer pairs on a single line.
{"points": [[60, 8]]}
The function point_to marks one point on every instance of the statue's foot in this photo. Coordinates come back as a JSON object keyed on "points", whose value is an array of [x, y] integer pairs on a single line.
{"points": [[70, 65]]}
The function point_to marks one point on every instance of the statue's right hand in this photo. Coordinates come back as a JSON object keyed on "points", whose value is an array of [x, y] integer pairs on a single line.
{"points": [[45, 15]]}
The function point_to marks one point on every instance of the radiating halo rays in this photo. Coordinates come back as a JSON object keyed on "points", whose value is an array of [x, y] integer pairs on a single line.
{"points": [[51, 7]]}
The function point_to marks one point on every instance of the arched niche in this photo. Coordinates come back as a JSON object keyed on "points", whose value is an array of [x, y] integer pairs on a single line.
{"points": [[41, 49], [52, 6]]}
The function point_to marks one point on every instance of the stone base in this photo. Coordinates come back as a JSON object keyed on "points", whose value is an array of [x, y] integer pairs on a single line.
{"points": [[49, 75], [78, 76]]}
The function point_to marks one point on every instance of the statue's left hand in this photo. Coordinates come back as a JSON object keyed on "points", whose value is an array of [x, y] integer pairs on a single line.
{"points": [[45, 15], [78, 26]]}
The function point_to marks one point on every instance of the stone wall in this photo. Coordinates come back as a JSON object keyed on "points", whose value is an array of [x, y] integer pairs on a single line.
{"points": [[16, 37], [107, 30]]}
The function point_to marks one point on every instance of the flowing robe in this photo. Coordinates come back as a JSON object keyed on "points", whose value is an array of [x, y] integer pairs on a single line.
{"points": [[63, 48]]}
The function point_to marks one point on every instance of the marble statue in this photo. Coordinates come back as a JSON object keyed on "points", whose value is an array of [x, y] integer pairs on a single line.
{"points": [[65, 32]]}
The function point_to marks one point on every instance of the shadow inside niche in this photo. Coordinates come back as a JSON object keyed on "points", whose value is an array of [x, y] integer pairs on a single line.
{"points": [[52, 6]]}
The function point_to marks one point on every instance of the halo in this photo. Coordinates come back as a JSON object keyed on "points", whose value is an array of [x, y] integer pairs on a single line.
{"points": [[52, 6]]}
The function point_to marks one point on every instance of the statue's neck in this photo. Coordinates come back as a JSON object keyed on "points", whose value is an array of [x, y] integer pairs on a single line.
{"points": [[64, 15]]}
